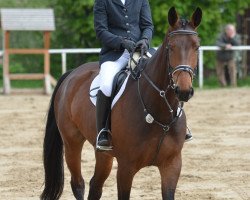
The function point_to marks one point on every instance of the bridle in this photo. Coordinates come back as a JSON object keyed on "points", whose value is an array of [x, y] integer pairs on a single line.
{"points": [[171, 85], [183, 68], [163, 93]]}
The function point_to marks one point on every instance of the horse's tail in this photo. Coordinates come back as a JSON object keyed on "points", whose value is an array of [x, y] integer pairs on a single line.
{"points": [[53, 153]]}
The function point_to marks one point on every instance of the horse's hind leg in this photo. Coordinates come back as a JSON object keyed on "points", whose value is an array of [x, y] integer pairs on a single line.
{"points": [[73, 148], [103, 167]]}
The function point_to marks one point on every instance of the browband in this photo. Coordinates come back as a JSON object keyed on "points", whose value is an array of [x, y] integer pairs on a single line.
{"points": [[182, 32]]}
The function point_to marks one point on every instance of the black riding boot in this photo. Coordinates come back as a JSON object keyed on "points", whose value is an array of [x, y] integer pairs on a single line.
{"points": [[103, 112]]}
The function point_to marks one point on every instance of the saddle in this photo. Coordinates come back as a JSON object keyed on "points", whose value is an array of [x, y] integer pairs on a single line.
{"points": [[121, 78], [133, 66]]}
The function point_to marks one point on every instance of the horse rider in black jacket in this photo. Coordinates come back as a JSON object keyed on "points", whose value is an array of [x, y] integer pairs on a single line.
{"points": [[121, 26]]}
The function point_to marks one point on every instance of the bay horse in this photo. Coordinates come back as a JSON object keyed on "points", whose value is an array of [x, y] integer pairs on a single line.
{"points": [[164, 84]]}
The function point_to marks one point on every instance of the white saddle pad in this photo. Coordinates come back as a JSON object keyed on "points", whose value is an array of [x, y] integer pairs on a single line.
{"points": [[94, 87]]}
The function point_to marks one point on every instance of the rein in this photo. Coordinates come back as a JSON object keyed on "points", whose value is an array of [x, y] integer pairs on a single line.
{"points": [[162, 93]]}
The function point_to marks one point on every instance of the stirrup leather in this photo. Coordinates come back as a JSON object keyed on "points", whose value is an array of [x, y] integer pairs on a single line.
{"points": [[103, 148]]}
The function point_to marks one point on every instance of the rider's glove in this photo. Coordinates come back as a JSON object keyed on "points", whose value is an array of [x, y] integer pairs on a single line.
{"points": [[143, 45], [128, 44]]}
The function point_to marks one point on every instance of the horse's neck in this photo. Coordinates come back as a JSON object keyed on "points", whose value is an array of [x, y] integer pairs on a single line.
{"points": [[157, 71], [157, 68]]}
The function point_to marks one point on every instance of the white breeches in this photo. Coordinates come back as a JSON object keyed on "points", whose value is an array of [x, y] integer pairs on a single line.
{"points": [[108, 71]]}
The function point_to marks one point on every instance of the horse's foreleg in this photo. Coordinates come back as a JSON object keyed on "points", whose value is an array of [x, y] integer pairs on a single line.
{"points": [[170, 173], [73, 149], [103, 167], [125, 175]]}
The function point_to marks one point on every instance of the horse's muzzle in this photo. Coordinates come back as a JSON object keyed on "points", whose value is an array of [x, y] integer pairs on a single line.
{"points": [[184, 95]]}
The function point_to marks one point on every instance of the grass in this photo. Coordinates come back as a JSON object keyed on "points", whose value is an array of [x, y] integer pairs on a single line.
{"points": [[212, 82], [209, 83], [25, 84]]}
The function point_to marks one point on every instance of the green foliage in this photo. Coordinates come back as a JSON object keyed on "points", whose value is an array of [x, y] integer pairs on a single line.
{"points": [[212, 82], [75, 21], [75, 29], [216, 13], [23, 3]]}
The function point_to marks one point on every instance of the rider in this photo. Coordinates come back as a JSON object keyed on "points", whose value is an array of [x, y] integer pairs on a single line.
{"points": [[121, 26]]}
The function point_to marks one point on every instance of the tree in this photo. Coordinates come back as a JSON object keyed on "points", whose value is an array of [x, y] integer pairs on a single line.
{"points": [[23, 3], [216, 13], [75, 28]]}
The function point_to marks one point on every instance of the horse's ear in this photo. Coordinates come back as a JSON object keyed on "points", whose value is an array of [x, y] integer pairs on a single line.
{"points": [[172, 16], [196, 17]]}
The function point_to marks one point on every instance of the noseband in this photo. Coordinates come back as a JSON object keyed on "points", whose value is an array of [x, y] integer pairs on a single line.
{"points": [[183, 68]]}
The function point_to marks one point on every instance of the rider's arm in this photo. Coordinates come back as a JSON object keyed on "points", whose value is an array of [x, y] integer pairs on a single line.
{"points": [[146, 23], [101, 26]]}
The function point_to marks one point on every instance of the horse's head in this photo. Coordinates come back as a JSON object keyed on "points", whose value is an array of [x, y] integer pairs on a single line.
{"points": [[182, 45]]}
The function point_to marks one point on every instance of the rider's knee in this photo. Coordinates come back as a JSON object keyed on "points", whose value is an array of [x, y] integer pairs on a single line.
{"points": [[107, 65], [107, 74]]}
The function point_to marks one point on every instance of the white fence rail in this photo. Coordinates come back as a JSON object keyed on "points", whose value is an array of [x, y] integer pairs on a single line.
{"points": [[213, 48], [64, 53]]}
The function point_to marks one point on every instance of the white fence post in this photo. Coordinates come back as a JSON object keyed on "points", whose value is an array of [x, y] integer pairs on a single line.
{"points": [[201, 68], [64, 62]]}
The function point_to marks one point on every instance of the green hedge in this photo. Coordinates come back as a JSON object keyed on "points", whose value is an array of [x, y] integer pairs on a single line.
{"points": [[74, 27]]}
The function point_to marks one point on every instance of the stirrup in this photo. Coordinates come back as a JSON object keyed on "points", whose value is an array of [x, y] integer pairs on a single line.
{"points": [[103, 148], [188, 133]]}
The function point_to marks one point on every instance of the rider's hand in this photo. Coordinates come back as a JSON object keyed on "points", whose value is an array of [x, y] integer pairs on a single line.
{"points": [[143, 45], [228, 46], [128, 44]]}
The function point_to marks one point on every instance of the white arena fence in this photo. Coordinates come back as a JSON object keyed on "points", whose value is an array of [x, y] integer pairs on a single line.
{"points": [[64, 53], [213, 48]]}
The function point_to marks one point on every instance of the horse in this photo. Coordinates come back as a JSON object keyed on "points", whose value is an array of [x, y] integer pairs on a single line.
{"points": [[148, 123]]}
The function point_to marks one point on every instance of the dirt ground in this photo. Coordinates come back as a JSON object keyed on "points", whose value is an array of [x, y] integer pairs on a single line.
{"points": [[216, 164]]}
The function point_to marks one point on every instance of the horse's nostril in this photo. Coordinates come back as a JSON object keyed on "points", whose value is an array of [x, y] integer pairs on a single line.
{"points": [[191, 92], [184, 95]]}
